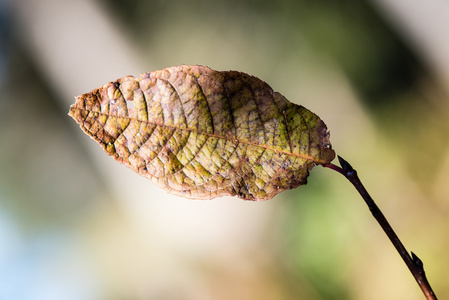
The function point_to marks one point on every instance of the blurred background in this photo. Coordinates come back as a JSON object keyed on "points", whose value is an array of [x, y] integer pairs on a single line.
{"points": [[74, 224]]}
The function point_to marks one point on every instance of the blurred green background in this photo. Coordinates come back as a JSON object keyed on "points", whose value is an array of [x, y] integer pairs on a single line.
{"points": [[76, 225]]}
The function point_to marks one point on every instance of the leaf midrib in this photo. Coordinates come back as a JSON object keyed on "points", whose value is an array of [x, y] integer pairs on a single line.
{"points": [[210, 135]]}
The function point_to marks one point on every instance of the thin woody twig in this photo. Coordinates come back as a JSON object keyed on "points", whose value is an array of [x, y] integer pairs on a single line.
{"points": [[414, 264]]}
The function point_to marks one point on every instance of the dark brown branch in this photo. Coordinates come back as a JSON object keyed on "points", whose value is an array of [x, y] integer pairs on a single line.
{"points": [[414, 264]]}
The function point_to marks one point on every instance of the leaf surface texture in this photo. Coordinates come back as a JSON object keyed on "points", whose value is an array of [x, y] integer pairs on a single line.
{"points": [[200, 133]]}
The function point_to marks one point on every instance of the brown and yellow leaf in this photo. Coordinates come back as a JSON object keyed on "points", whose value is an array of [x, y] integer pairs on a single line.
{"points": [[200, 133]]}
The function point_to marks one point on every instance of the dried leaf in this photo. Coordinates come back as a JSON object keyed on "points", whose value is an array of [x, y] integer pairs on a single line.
{"points": [[200, 133]]}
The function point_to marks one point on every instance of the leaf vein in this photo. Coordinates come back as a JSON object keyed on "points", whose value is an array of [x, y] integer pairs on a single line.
{"points": [[207, 103], [231, 111], [262, 122]]}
